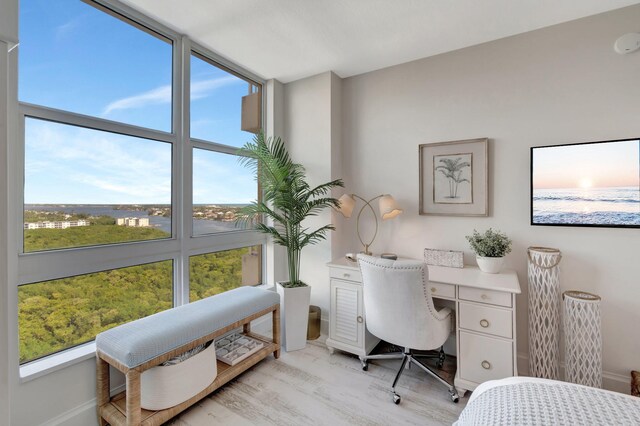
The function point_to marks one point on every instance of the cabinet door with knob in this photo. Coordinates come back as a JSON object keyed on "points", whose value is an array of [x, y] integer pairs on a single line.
{"points": [[347, 327], [347, 322]]}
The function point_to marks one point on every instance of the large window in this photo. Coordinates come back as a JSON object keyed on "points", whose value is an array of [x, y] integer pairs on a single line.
{"points": [[75, 57], [58, 314], [119, 201], [214, 273], [217, 98], [85, 187], [220, 187]]}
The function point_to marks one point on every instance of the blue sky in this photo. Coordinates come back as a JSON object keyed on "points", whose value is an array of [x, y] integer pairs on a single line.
{"points": [[80, 59]]}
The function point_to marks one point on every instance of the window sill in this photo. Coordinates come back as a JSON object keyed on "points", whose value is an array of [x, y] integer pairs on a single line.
{"points": [[58, 361], [55, 362]]}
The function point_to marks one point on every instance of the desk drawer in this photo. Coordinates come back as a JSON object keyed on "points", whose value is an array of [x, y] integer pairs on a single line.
{"points": [[493, 297], [484, 358], [486, 319], [345, 274], [442, 290]]}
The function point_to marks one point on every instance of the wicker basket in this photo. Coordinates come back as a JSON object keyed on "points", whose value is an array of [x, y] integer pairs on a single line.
{"points": [[544, 312], [583, 338], [166, 386]]}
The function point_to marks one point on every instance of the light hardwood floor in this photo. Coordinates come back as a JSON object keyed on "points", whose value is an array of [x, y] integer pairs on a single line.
{"points": [[311, 387]]}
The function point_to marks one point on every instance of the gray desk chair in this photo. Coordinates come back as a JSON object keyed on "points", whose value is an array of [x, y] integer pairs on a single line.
{"points": [[399, 310]]}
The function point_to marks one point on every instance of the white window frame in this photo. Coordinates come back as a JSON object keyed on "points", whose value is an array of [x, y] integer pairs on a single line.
{"points": [[49, 265]]}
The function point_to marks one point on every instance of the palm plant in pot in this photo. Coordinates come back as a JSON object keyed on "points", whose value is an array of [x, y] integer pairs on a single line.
{"points": [[491, 248], [287, 200]]}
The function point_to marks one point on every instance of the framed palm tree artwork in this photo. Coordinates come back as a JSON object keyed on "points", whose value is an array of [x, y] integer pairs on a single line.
{"points": [[454, 178]]}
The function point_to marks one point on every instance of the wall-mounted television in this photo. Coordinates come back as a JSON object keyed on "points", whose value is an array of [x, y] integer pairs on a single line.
{"points": [[586, 184]]}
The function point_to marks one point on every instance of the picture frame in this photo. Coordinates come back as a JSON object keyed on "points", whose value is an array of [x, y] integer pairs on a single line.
{"points": [[586, 184], [454, 178]]}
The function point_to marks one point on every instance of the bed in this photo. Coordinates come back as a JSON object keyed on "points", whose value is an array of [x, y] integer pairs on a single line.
{"points": [[531, 401]]}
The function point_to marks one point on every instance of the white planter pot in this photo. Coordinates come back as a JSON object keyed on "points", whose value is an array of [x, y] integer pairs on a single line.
{"points": [[294, 311], [490, 265]]}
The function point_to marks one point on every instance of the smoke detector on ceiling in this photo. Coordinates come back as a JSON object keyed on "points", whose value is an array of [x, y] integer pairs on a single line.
{"points": [[627, 43]]}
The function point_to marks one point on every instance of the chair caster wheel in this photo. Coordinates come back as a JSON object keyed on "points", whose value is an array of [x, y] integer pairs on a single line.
{"points": [[454, 396], [396, 398], [365, 365]]}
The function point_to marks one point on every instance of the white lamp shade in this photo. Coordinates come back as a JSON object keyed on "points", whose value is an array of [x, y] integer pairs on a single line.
{"points": [[388, 207], [347, 203]]}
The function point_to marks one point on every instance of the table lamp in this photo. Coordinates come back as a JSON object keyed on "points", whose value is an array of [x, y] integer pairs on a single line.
{"points": [[387, 207]]}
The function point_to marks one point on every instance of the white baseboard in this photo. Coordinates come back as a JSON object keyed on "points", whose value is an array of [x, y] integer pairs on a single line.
{"points": [[82, 415], [610, 381]]}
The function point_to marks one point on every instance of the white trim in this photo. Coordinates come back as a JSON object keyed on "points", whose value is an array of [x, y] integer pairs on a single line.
{"points": [[64, 418], [57, 361], [88, 406]]}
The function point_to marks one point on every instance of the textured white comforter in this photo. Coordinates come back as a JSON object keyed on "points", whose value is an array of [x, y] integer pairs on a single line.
{"points": [[531, 401]]}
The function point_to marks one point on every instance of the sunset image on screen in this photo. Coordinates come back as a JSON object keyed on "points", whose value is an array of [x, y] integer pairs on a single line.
{"points": [[587, 184]]}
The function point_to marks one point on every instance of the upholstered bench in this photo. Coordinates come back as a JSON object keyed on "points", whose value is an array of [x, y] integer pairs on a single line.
{"points": [[140, 345]]}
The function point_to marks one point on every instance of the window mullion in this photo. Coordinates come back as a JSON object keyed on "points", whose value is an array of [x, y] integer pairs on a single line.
{"points": [[94, 123], [182, 120]]}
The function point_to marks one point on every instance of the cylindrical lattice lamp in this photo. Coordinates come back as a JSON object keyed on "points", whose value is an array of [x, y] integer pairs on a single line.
{"points": [[583, 338], [544, 312]]}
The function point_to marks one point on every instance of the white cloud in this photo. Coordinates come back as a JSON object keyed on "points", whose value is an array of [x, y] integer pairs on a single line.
{"points": [[66, 30], [202, 89], [159, 95], [73, 165], [162, 95]]}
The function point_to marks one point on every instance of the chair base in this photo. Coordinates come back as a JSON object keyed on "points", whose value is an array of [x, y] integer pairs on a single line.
{"points": [[409, 357]]}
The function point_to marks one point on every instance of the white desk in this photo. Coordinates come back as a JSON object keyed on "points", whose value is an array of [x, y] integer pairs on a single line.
{"points": [[485, 329]]}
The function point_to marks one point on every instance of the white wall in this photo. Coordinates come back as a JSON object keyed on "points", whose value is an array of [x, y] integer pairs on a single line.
{"points": [[562, 84], [312, 135]]}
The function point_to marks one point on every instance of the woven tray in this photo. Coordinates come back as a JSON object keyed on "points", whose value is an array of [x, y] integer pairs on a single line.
{"points": [[233, 348]]}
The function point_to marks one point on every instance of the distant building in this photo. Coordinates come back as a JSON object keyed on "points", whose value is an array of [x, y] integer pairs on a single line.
{"points": [[60, 224], [138, 222]]}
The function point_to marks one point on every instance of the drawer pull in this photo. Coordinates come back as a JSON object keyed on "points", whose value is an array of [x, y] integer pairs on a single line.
{"points": [[484, 296], [433, 289], [484, 323], [486, 364], [360, 319], [346, 275]]}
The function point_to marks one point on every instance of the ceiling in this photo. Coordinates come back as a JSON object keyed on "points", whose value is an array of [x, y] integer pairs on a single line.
{"points": [[291, 39]]}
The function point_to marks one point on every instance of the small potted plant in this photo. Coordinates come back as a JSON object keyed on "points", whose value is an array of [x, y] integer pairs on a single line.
{"points": [[490, 248]]}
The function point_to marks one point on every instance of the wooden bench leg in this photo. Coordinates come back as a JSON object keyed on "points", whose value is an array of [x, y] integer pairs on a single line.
{"points": [[103, 387], [134, 412], [276, 331]]}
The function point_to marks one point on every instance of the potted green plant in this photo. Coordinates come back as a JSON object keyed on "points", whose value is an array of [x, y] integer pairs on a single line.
{"points": [[287, 200], [490, 248]]}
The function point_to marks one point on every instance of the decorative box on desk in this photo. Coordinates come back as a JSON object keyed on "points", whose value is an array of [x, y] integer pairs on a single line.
{"points": [[485, 307]]}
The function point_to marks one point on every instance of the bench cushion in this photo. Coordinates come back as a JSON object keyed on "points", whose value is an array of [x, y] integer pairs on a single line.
{"points": [[139, 341]]}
